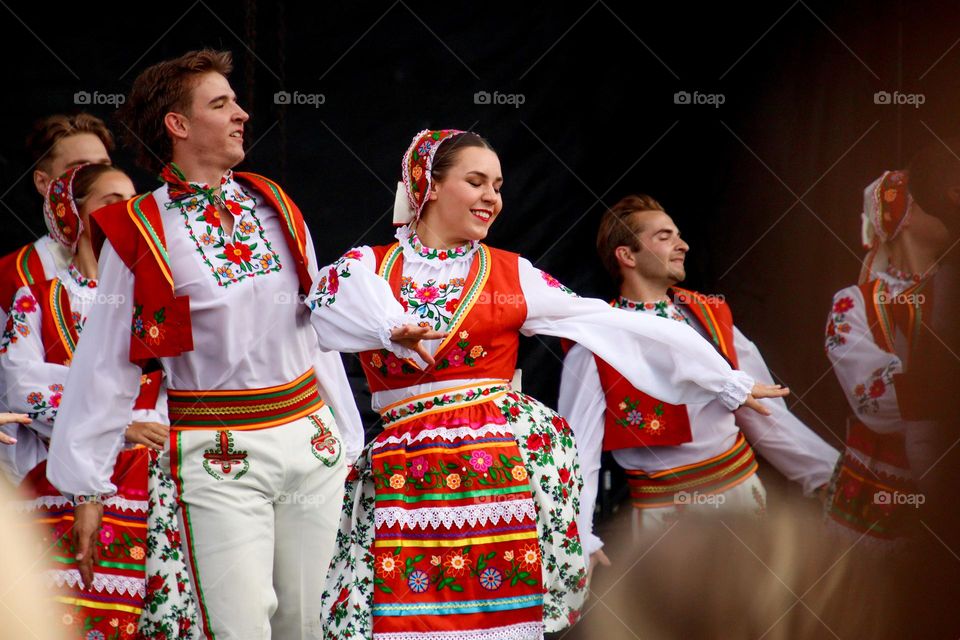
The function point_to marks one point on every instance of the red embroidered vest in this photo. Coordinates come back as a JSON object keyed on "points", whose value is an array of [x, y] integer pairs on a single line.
{"points": [[484, 332], [58, 332], [20, 268], [160, 326], [636, 419], [886, 314]]}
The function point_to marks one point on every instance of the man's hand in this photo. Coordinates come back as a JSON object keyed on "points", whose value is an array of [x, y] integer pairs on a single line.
{"points": [[764, 391], [151, 434], [86, 524], [598, 557], [6, 418], [411, 335]]}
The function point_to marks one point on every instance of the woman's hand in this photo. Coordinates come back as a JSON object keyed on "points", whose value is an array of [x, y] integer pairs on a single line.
{"points": [[150, 434], [764, 391], [6, 418], [87, 520], [411, 337]]}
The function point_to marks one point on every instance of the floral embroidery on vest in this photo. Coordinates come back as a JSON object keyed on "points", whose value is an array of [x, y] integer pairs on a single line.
{"points": [[151, 331], [230, 259], [838, 325], [433, 303], [17, 322], [633, 417], [463, 354]]}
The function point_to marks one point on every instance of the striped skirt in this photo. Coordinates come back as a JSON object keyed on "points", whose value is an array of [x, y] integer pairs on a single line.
{"points": [[459, 523]]}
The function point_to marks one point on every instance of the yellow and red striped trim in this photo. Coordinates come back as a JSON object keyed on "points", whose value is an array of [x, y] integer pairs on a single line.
{"points": [[714, 475], [244, 409]]}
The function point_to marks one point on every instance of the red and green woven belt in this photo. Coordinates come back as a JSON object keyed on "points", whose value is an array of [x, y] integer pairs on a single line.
{"points": [[714, 475], [244, 409]]}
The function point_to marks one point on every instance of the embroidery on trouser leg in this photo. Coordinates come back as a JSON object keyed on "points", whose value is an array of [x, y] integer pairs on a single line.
{"points": [[223, 462], [324, 445]]}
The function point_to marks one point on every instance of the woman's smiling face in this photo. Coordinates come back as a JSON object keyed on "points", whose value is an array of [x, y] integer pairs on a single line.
{"points": [[463, 204]]}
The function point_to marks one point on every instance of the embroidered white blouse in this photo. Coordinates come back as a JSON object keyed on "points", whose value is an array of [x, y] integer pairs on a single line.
{"points": [[781, 438], [17, 459], [360, 311], [35, 386], [249, 331]]}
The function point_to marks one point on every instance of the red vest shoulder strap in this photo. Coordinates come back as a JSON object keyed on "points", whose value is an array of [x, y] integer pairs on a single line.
{"points": [[715, 316], [294, 227], [57, 329]]}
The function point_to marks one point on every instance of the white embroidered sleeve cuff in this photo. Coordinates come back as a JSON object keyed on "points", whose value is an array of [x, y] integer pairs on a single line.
{"points": [[735, 390], [387, 328]]}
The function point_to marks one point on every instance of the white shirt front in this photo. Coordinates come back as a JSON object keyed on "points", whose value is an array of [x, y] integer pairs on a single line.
{"points": [[249, 331]]}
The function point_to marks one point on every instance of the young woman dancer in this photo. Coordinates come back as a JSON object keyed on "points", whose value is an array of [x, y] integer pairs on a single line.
{"points": [[140, 583], [460, 518]]}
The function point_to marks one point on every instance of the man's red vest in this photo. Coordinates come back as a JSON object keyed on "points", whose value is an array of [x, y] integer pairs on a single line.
{"points": [[20, 268], [160, 326], [635, 419], [484, 331], [59, 335]]}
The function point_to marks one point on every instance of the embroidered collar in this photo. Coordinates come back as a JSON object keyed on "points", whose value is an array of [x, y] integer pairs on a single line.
{"points": [[178, 188], [661, 308], [77, 283], [416, 251], [901, 275]]}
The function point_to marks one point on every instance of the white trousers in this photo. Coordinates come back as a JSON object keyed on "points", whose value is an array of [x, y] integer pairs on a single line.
{"points": [[259, 515]]}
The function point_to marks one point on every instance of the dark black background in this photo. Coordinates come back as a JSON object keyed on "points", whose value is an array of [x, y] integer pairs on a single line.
{"points": [[767, 188]]}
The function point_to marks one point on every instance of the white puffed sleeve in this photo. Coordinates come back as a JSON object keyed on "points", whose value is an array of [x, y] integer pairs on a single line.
{"points": [[865, 371], [31, 384], [100, 390], [353, 309], [582, 403], [334, 385], [661, 357]]}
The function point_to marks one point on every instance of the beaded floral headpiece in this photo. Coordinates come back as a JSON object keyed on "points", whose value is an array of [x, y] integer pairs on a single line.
{"points": [[60, 211]]}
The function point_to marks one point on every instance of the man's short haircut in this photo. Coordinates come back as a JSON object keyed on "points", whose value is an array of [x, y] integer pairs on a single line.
{"points": [[159, 89], [619, 228], [48, 131]]}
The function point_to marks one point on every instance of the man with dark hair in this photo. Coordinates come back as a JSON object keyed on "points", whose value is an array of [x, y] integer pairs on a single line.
{"points": [[55, 144], [209, 269], [686, 457]]}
